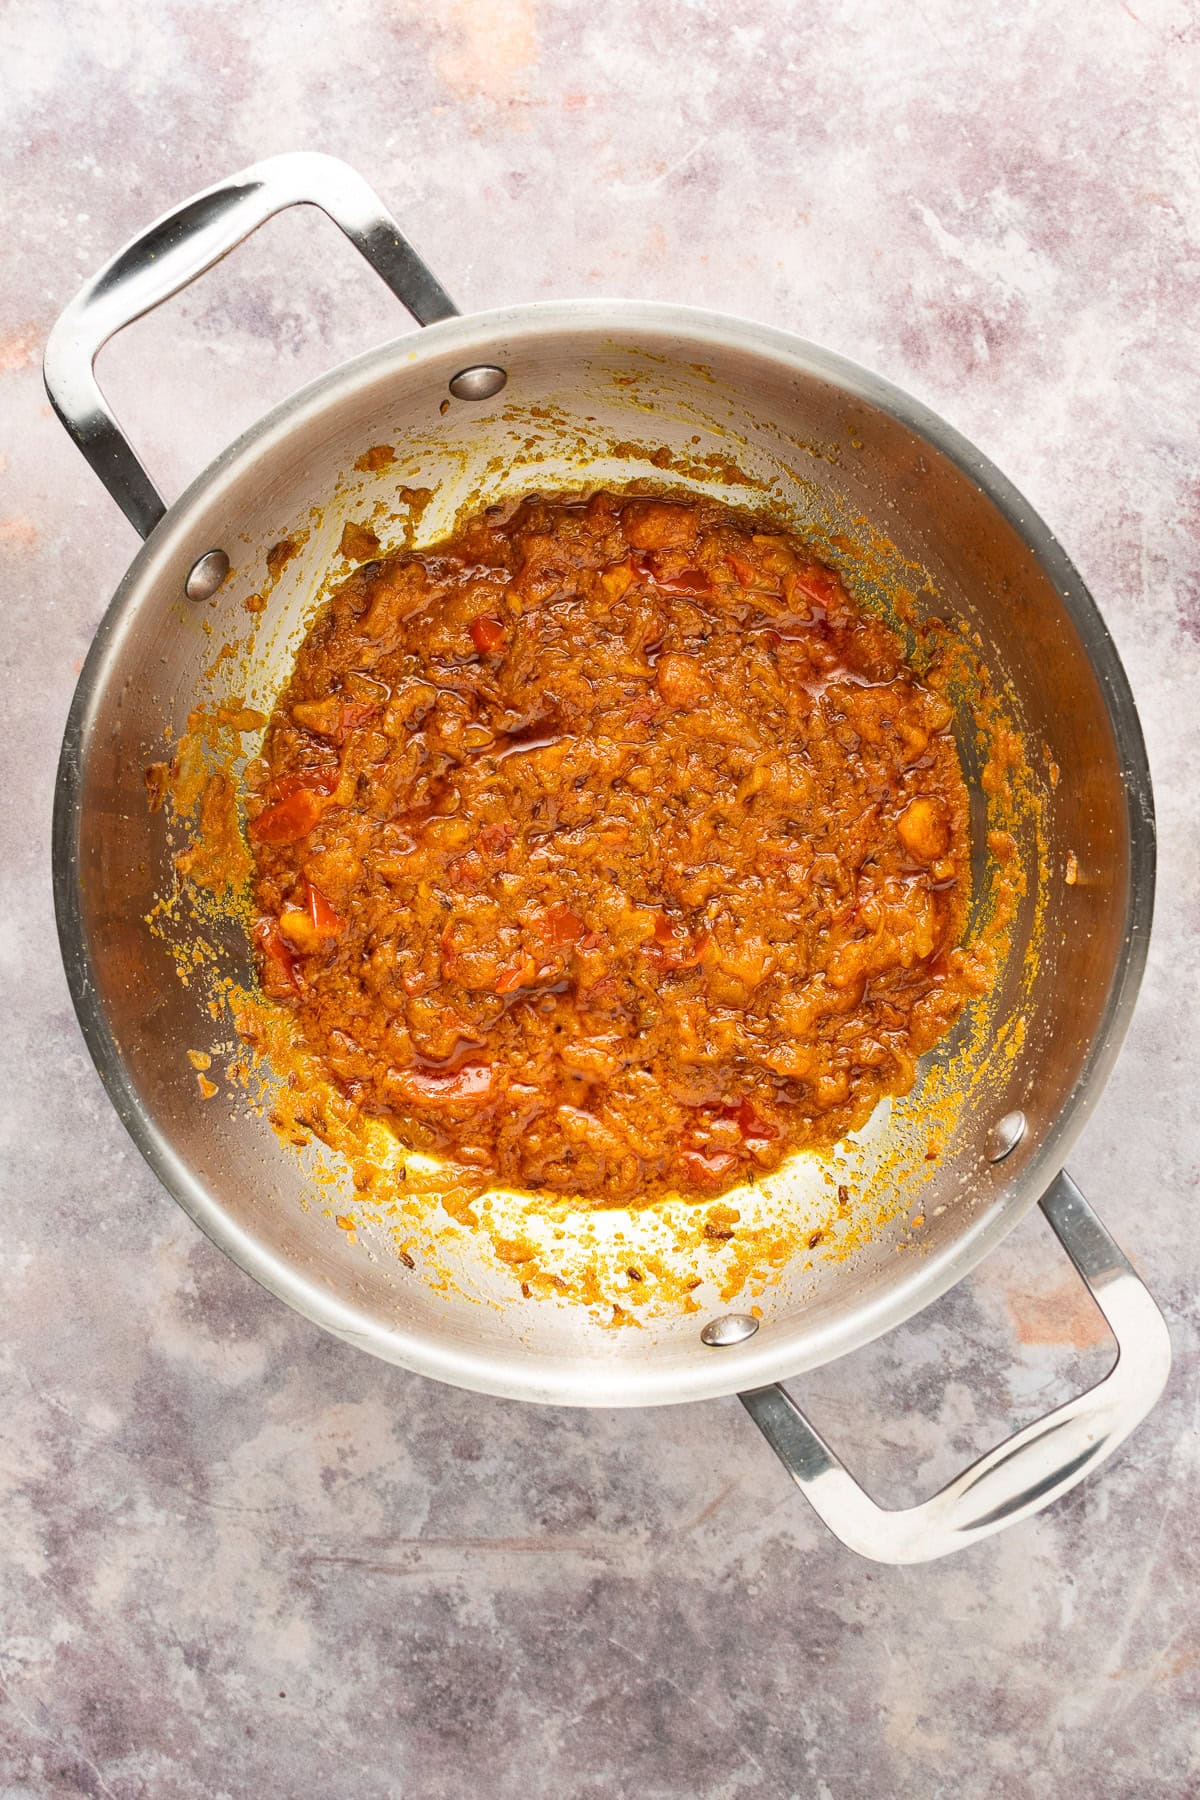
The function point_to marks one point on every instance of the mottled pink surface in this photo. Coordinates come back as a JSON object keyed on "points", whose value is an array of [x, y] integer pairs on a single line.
{"points": [[240, 1559]]}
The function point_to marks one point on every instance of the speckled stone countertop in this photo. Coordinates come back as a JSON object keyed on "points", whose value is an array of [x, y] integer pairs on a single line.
{"points": [[241, 1559]]}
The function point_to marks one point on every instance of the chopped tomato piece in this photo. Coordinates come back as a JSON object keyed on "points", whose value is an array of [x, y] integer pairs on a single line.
{"points": [[471, 1082], [326, 922], [746, 573], [332, 717], [664, 931], [684, 581], [520, 975], [753, 1127], [707, 1168], [466, 871], [317, 781], [672, 944], [495, 839], [566, 927], [354, 714], [818, 584], [288, 820], [269, 939], [645, 709], [487, 635]]}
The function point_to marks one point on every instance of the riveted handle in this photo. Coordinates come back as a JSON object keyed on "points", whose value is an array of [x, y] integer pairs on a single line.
{"points": [[1028, 1470], [173, 252]]}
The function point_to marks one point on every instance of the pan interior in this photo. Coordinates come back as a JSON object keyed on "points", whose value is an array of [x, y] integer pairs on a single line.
{"points": [[904, 509]]}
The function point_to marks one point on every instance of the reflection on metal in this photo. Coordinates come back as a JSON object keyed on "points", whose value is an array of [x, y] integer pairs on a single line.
{"points": [[1005, 1135], [206, 575], [732, 1328], [478, 383]]}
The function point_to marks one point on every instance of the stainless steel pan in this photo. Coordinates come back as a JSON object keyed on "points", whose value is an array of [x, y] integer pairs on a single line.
{"points": [[828, 436]]}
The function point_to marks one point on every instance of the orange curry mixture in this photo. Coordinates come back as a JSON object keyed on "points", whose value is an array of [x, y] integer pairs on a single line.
{"points": [[610, 847]]}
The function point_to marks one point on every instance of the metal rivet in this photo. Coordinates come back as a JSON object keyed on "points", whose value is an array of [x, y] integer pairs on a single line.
{"points": [[1005, 1135], [731, 1328], [206, 575], [478, 383]]}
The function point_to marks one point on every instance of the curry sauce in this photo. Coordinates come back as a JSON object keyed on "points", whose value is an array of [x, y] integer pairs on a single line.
{"points": [[610, 847]]}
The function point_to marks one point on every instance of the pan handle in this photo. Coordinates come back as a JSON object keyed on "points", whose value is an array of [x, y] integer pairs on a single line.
{"points": [[1028, 1470], [174, 251]]}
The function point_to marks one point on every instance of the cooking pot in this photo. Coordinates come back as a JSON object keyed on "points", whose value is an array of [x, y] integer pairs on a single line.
{"points": [[461, 402]]}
